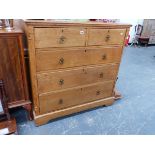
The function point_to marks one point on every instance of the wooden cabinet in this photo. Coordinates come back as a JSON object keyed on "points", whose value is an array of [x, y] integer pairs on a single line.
{"points": [[73, 66], [149, 30], [11, 66], [12, 69]]}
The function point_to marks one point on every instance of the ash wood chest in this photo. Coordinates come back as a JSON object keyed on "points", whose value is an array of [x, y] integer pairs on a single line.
{"points": [[73, 66]]}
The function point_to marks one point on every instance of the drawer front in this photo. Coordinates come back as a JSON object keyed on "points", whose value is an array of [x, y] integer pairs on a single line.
{"points": [[75, 77], [59, 37], [67, 98], [106, 36], [57, 59]]}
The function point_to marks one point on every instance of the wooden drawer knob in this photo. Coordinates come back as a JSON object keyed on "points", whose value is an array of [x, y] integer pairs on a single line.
{"points": [[98, 92], [61, 101], [104, 57], [101, 75], [85, 71], [61, 82], [107, 38], [61, 61], [62, 40]]}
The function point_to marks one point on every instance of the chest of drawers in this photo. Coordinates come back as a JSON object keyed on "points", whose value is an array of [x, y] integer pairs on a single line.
{"points": [[73, 66]]}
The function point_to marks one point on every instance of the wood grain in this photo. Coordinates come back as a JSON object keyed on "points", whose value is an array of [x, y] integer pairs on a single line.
{"points": [[59, 37], [51, 81], [62, 99], [106, 36], [43, 119], [54, 23], [32, 62], [52, 59], [68, 56], [11, 69]]}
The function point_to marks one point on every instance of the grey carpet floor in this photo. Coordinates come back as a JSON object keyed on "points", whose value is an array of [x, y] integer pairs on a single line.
{"points": [[133, 114]]}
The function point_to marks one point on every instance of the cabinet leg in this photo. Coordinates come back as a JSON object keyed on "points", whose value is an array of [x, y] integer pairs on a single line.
{"points": [[28, 107]]}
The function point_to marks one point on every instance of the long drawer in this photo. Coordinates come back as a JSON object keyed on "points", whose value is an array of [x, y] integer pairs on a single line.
{"points": [[106, 36], [75, 77], [57, 59], [75, 96], [59, 37]]}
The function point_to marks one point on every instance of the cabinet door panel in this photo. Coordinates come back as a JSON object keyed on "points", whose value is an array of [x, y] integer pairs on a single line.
{"points": [[10, 67]]}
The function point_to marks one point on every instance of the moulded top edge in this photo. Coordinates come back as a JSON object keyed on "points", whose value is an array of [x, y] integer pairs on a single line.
{"points": [[75, 23]]}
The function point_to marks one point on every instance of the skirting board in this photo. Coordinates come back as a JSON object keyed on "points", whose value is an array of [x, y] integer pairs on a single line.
{"points": [[43, 119]]}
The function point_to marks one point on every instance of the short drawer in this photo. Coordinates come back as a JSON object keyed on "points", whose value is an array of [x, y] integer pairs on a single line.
{"points": [[59, 37], [57, 59], [63, 79], [106, 36], [67, 98]]}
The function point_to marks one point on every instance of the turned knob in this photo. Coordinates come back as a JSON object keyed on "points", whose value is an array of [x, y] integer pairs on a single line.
{"points": [[61, 82]]}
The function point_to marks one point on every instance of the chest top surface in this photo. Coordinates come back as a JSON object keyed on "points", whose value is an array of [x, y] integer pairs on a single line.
{"points": [[39, 23]]}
